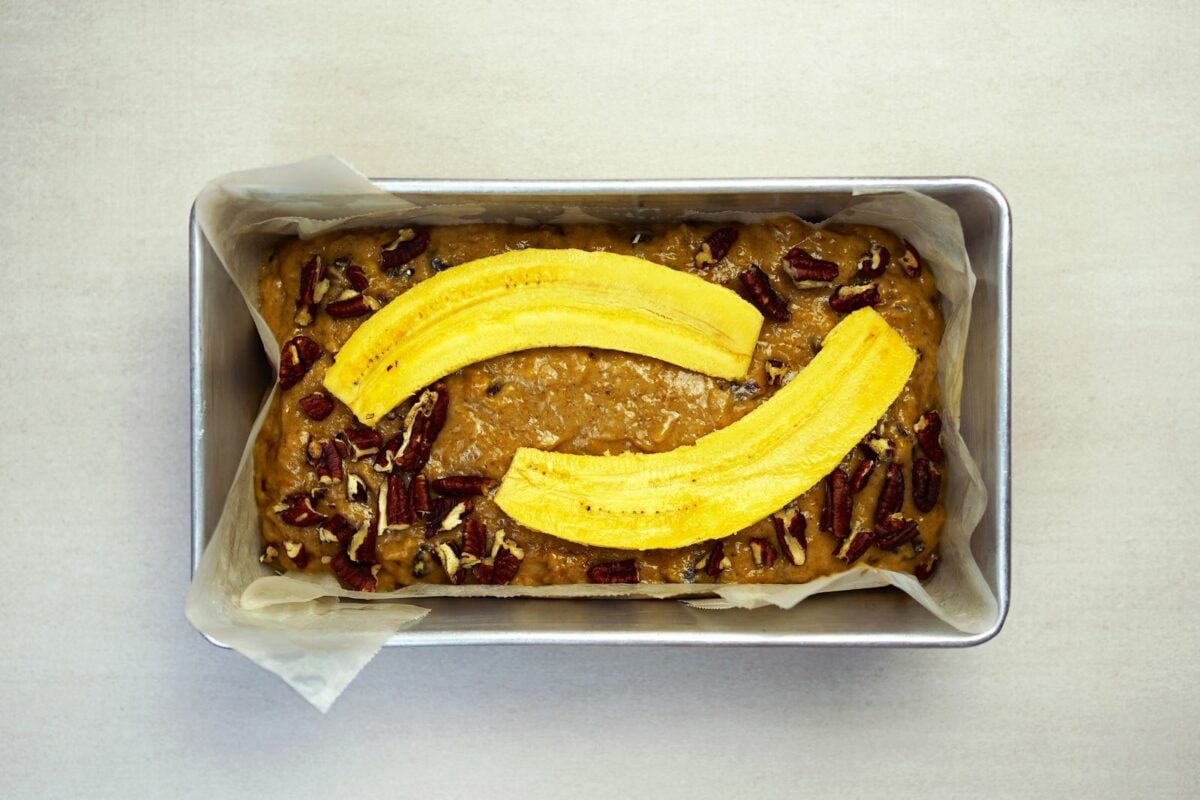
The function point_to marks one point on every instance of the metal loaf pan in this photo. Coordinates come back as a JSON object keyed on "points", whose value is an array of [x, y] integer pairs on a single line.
{"points": [[230, 375]]}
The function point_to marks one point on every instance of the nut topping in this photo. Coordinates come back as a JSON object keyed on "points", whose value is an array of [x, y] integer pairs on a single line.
{"points": [[895, 531], [838, 503], [329, 467], [926, 484], [313, 286], [877, 447], [861, 474], [851, 298], [891, 496], [362, 545], [506, 563], [763, 295], [296, 358], [809, 272], [854, 546], [614, 572], [789, 532], [269, 555], [715, 561], [396, 510], [337, 529], [450, 563], [763, 552], [925, 570], [474, 539], [928, 430], [716, 246], [351, 304], [356, 577], [403, 249], [447, 514], [776, 371], [422, 425], [361, 442], [911, 260], [873, 263], [418, 497], [317, 405], [356, 276], [462, 485], [386, 457], [297, 510]]}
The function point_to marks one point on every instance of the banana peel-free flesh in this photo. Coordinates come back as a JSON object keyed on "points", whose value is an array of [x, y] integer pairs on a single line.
{"points": [[730, 478], [531, 298]]}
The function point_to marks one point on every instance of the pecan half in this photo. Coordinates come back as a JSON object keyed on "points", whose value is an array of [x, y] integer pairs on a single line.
{"points": [[716, 246], [851, 298], [926, 484], [807, 271], [337, 529], [313, 286], [422, 425], [317, 405], [789, 532], [356, 276], [776, 371], [838, 503], [448, 555], [356, 489], [361, 547], [715, 560], [925, 570], [861, 474], [911, 260], [462, 485], [928, 430], [763, 552], [329, 467], [395, 506], [296, 358], [356, 577], [474, 538], [418, 497], [891, 496], [361, 442], [296, 552], [351, 304], [895, 531], [298, 510], [763, 295], [854, 546], [403, 249], [874, 262], [614, 572]]}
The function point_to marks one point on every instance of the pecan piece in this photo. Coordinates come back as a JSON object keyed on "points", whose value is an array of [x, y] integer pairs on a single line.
{"points": [[715, 561], [716, 246], [356, 489], [925, 570], [361, 547], [877, 447], [418, 497], [895, 531], [270, 555], [447, 553], [337, 530], [776, 371], [825, 522], [838, 503], [861, 474], [926, 484], [789, 532], [356, 276], [317, 405], [313, 286], [928, 430], [474, 538], [807, 271], [386, 457], [891, 496], [361, 442], [395, 508], [911, 260], [356, 577], [854, 546], [874, 262], [422, 425], [403, 249], [447, 514], [763, 552], [298, 510], [329, 466], [351, 304], [763, 295], [506, 563], [614, 572], [462, 485], [296, 358], [851, 298]]}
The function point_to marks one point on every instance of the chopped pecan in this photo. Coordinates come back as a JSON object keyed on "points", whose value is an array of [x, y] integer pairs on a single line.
{"points": [[296, 358], [874, 262], [447, 514], [789, 532], [716, 246], [356, 276], [614, 572], [482, 572], [911, 260], [418, 497], [861, 474], [297, 509], [851, 298], [361, 547], [269, 555], [506, 563], [403, 249], [807, 271], [422, 425], [763, 295], [350, 304], [317, 405], [924, 571], [839, 503], [313, 286], [891, 496], [715, 560], [337, 529], [462, 485], [356, 489], [776, 371], [395, 508], [356, 577], [895, 531], [447, 554], [854, 546], [296, 552], [825, 522], [926, 484], [928, 430], [877, 447], [474, 538], [329, 467], [313, 450], [361, 442], [763, 552], [386, 457]]}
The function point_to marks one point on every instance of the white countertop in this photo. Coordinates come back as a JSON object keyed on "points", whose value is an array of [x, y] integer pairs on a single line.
{"points": [[111, 122]]}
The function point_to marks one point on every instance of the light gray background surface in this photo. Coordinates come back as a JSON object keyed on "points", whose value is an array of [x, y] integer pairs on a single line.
{"points": [[1086, 115]]}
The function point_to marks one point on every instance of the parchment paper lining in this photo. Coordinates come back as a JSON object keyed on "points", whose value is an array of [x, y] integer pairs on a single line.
{"points": [[296, 626]]}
